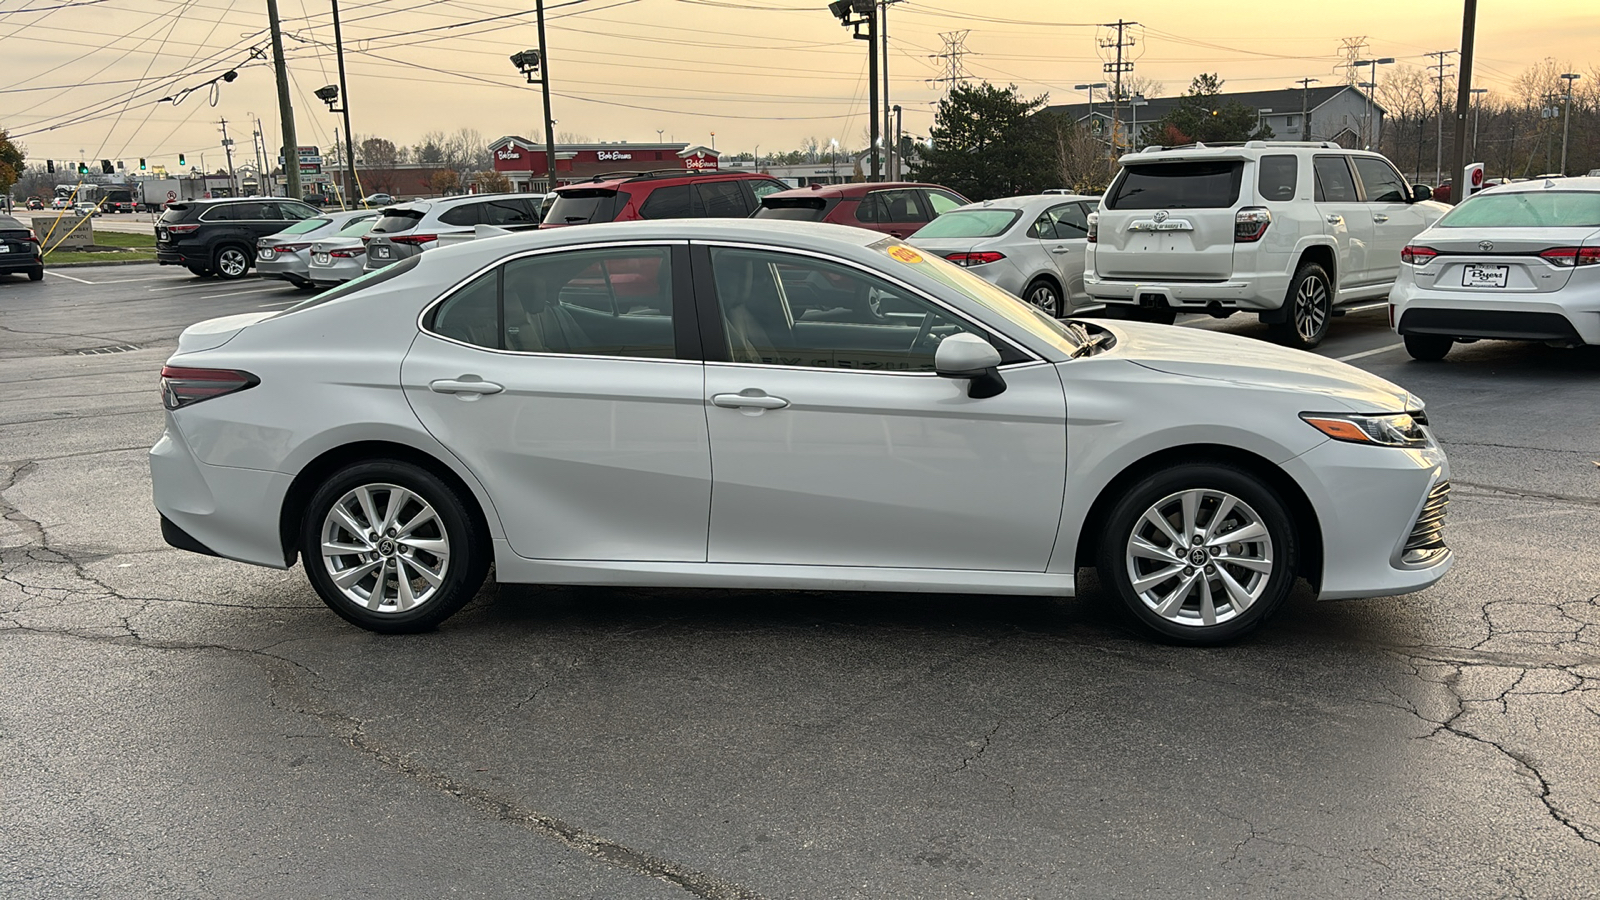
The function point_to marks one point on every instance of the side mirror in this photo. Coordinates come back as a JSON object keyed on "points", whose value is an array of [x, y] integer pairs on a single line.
{"points": [[972, 357], [1420, 192]]}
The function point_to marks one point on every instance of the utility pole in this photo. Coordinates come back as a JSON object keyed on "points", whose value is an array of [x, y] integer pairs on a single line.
{"points": [[1116, 69], [890, 167], [544, 88], [352, 188], [1440, 66], [1566, 117], [1477, 106], [227, 147], [1469, 23], [291, 144], [899, 125], [263, 174], [870, 19], [1305, 106]]}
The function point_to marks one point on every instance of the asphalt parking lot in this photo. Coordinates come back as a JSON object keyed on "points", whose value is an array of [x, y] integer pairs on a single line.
{"points": [[191, 727]]}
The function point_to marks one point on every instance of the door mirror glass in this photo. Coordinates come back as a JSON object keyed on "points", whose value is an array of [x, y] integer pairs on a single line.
{"points": [[1420, 192], [970, 356]]}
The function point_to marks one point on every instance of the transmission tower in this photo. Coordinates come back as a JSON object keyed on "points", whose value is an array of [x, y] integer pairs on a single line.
{"points": [[1441, 68], [952, 71], [1115, 68], [1352, 49]]}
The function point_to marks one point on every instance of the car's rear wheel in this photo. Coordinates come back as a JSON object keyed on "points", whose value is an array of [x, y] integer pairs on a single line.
{"points": [[1043, 293], [1199, 553], [1428, 347], [36, 274], [1310, 308], [392, 548], [201, 271], [230, 262]]}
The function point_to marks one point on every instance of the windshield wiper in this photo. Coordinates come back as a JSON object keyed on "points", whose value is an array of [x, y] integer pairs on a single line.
{"points": [[1088, 344]]}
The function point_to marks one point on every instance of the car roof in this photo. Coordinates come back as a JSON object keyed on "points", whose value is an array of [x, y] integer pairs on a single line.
{"points": [[423, 206], [9, 222], [612, 181], [853, 190]]}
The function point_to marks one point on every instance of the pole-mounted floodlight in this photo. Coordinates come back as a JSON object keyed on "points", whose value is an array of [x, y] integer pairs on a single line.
{"points": [[854, 14], [527, 62], [329, 94]]}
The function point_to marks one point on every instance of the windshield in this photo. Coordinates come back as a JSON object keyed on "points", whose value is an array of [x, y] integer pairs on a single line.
{"points": [[992, 298], [1526, 209], [305, 225], [357, 228], [1177, 185], [969, 223]]}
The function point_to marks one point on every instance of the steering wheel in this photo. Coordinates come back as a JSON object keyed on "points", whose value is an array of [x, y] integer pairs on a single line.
{"points": [[922, 333]]}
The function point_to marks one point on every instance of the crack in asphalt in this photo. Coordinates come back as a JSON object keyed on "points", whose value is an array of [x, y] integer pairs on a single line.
{"points": [[351, 730], [1526, 494]]}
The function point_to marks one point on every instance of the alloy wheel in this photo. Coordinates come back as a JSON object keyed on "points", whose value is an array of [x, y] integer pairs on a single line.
{"points": [[1310, 309], [385, 548], [231, 263], [1199, 557], [1044, 297]]}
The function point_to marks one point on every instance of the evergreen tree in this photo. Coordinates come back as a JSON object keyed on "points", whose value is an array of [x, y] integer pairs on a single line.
{"points": [[989, 142], [1202, 116]]}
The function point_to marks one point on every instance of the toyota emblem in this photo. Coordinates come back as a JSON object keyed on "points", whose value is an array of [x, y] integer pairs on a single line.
{"points": [[1161, 216], [1486, 246]]}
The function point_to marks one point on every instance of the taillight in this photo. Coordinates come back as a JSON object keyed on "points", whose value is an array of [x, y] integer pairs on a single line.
{"points": [[1567, 257], [975, 259], [182, 229], [32, 237], [290, 248], [417, 239], [352, 253], [1411, 254], [181, 386], [365, 238], [1250, 223], [1094, 227]]}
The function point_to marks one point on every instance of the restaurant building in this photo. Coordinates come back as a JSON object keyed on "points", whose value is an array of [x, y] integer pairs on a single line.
{"points": [[523, 162]]}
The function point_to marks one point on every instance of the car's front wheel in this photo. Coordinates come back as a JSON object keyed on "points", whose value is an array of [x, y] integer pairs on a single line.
{"points": [[392, 548], [1042, 293], [1428, 347], [1199, 553], [230, 262], [1310, 308]]}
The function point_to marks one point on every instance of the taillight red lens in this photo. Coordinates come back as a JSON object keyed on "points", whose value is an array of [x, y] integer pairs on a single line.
{"points": [[182, 229], [290, 248], [1568, 257], [417, 239], [182, 386], [352, 253], [1413, 255], [975, 259], [1250, 223]]}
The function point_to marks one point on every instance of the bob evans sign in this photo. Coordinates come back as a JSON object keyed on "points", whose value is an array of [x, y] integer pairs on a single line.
{"points": [[604, 155], [509, 153], [699, 163]]}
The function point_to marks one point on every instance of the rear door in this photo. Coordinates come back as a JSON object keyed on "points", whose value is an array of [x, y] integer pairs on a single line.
{"points": [[1067, 244], [1344, 217], [897, 212], [1395, 221], [1170, 220]]}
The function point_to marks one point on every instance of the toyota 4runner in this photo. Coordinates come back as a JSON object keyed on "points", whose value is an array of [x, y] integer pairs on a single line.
{"points": [[1288, 230]]}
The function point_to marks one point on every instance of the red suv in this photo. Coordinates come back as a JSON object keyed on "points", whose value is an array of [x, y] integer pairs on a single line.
{"points": [[667, 194], [896, 208]]}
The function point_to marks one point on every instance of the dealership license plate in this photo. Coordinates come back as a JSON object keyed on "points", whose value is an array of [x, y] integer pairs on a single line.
{"points": [[321, 259], [1484, 276], [380, 252]]}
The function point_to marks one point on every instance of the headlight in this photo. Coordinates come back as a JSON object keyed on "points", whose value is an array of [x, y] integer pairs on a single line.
{"points": [[1389, 430]]}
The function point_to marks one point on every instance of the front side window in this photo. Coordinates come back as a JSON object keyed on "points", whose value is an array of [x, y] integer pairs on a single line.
{"points": [[508, 213], [1383, 183], [1334, 184], [1070, 222], [780, 309], [461, 216], [1278, 177]]}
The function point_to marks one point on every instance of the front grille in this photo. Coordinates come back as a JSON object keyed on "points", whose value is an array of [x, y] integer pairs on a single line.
{"points": [[1426, 541]]}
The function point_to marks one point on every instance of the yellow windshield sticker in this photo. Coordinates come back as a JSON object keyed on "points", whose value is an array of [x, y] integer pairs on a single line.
{"points": [[905, 254]]}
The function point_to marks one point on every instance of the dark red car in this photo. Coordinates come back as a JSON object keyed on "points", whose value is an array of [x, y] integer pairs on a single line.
{"points": [[896, 208], [667, 194]]}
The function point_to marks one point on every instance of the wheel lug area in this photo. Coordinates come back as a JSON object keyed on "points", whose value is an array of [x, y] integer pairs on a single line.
{"points": [[1188, 570]]}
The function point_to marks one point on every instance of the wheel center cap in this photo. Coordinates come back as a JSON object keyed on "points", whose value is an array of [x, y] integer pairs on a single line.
{"points": [[386, 547], [1198, 557]]}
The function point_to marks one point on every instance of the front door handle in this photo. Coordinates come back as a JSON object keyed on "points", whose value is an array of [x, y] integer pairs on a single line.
{"points": [[1334, 220], [750, 398], [1379, 217], [464, 386]]}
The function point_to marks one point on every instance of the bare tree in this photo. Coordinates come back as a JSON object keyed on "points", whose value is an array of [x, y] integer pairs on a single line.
{"points": [[492, 182], [379, 157], [572, 137], [1080, 156], [445, 181]]}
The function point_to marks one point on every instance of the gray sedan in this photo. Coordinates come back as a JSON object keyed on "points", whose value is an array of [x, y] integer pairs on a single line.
{"points": [[341, 256], [1032, 246], [287, 254]]}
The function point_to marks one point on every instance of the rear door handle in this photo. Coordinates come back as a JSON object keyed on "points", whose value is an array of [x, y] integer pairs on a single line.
{"points": [[1380, 218], [753, 400], [1060, 249], [1334, 220], [463, 386]]}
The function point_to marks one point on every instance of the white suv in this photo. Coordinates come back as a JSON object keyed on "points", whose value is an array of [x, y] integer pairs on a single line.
{"points": [[407, 229], [1288, 230]]}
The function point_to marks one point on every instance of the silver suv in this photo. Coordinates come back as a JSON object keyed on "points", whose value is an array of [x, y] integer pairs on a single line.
{"points": [[407, 229], [1287, 230]]}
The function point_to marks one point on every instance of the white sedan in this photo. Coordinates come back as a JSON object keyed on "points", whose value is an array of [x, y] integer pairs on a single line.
{"points": [[767, 404], [1520, 262]]}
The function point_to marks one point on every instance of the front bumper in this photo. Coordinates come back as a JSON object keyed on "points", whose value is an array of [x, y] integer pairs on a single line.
{"points": [[1369, 501], [1564, 315]]}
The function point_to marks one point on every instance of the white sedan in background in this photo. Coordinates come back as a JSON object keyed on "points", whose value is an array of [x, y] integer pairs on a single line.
{"points": [[1032, 246], [711, 403], [287, 254], [1520, 263]]}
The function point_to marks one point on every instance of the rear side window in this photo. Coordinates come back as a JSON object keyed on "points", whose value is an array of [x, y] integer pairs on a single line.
{"points": [[722, 200], [1177, 185], [394, 221], [472, 314], [510, 211], [1383, 183], [177, 212], [793, 209], [1070, 222], [890, 206], [1278, 177], [465, 214], [1334, 184], [579, 207], [224, 212], [671, 202]]}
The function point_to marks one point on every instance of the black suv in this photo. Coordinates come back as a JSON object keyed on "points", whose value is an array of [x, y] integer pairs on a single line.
{"points": [[19, 249], [218, 237]]}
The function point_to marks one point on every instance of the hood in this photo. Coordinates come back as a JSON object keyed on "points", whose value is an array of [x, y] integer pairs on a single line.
{"points": [[1194, 353], [213, 333]]}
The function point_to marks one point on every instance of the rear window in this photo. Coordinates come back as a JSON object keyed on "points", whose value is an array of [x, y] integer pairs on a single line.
{"points": [[394, 221], [581, 207], [1177, 185], [969, 223], [357, 228], [175, 212], [359, 283], [305, 225], [793, 209], [1526, 209]]}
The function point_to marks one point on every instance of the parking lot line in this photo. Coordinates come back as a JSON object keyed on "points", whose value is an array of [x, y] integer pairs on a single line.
{"points": [[239, 293], [67, 277], [1365, 353]]}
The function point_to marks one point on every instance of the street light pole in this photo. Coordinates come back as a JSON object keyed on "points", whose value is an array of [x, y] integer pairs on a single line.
{"points": [[1090, 88], [1372, 87], [1566, 117], [352, 189], [1134, 102], [544, 88], [1477, 107]]}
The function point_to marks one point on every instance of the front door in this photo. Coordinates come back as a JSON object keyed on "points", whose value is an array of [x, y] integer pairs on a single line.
{"points": [[834, 444], [569, 383], [1344, 217], [1394, 220]]}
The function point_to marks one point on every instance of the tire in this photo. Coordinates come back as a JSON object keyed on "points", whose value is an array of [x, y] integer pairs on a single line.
{"points": [[1309, 309], [336, 514], [201, 271], [1135, 545], [1043, 294], [1428, 347], [36, 274], [230, 262], [1158, 315]]}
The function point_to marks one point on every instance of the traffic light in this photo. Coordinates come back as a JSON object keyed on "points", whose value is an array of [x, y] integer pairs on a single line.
{"points": [[82, 169], [50, 166], [106, 168], [180, 160], [141, 164]]}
